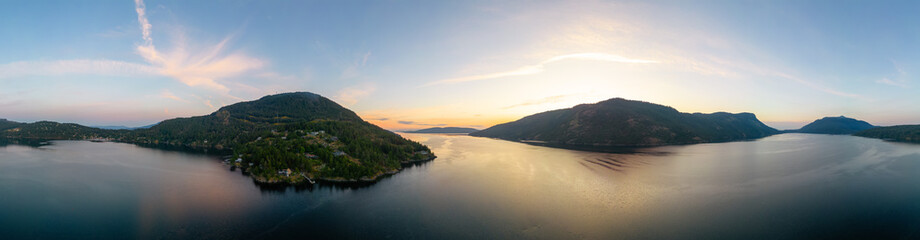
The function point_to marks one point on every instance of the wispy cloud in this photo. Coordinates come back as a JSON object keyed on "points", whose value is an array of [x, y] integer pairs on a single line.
{"points": [[819, 87], [204, 66], [550, 99], [900, 80], [351, 95], [200, 68], [141, 10], [364, 60], [69, 67], [353, 70], [898, 83], [169, 95], [11, 103], [540, 67], [421, 124]]}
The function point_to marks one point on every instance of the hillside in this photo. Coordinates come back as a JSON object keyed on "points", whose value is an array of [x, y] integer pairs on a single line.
{"points": [[445, 130], [48, 130], [621, 122], [902, 133], [835, 125], [278, 138], [7, 124]]}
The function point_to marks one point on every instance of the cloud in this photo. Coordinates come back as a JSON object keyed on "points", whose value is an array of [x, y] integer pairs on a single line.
{"points": [[364, 60], [11, 103], [351, 95], [350, 72], [820, 87], [353, 70], [539, 67], [380, 119], [597, 57], [71, 67], [899, 83], [421, 124], [550, 99], [169, 95], [141, 10], [201, 68]]}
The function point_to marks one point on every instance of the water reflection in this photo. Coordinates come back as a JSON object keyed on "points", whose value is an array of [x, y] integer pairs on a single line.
{"points": [[780, 187], [24, 142]]}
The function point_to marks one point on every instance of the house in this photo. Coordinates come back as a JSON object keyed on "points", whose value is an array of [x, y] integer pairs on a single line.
{"points": [[422, 152], [285, 172], [239, 160], [338, 153], [310, 155]]}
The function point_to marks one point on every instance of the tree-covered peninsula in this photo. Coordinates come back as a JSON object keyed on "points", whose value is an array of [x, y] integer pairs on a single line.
{"points": [[279, 138], [901, 133]]}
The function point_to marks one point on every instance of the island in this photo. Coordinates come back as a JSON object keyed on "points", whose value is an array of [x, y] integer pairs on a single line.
{"points": [[620, 122], [445, 130], [900, 133], [835, 125], [283, 138]]}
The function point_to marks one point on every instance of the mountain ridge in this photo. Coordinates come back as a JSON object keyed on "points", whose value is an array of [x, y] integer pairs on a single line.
{"points": [[835, 125], [631, 123]]}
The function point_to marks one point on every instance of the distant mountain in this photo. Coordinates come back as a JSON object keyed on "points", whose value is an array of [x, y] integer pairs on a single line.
{"points": [[445, 130], [122, 127], [621, 122], [113, 127], [902, 133], [835, 125], [278, 138]]}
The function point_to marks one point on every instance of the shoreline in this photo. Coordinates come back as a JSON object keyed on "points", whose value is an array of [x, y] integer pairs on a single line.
{"points": [[613, 148], [370, 179], [219, 153]]}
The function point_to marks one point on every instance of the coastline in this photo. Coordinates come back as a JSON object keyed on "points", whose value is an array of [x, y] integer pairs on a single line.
{"points": [[36, 142], [613, 148], [368, 179]]}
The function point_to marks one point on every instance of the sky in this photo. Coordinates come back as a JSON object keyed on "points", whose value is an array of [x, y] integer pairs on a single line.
{"points": [[417, 64]]}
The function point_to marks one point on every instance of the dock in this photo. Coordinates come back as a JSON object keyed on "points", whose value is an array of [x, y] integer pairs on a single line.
{"points": [[308, 178]]}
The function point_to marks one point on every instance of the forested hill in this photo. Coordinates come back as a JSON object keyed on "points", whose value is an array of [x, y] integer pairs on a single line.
{"points": [[621, 122], [835, 125], [902, 133], [278, 138], [246, 121]]}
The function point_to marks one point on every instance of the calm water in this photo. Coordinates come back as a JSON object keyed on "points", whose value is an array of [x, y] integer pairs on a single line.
{"points": [[785, 186]]}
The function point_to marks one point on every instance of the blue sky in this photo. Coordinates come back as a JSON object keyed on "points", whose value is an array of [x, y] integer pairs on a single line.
{"points": [[413, 64]]}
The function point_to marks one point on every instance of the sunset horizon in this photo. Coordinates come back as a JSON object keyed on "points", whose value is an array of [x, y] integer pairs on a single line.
{"points": [[136, 64], [478, 119]]}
